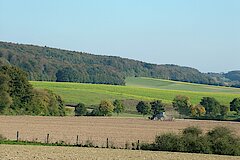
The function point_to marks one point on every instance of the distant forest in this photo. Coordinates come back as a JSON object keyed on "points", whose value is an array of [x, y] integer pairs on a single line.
{"points": [[51, 64]]}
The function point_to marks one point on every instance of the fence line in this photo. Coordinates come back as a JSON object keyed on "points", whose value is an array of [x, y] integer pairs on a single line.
{"points": [[109, 144]]}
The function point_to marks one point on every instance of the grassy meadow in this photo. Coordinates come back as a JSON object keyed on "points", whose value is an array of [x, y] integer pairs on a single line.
{"points": [[137, 89]]}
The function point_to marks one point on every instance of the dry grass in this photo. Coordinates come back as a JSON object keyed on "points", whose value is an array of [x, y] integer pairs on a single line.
{"points": [[97, 129], [64, 153]]}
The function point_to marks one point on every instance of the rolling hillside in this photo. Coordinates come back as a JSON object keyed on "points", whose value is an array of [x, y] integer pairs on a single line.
{"points": [[51, 64], [137, 89]]}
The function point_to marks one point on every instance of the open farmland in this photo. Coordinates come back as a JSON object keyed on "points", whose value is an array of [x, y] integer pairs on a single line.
{"points": [[147, 82], [159, 89], [97, 129], [14, 152]]}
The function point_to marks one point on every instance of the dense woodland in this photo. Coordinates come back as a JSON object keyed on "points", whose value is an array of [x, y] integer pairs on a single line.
{"points": [[50, 64], [19, 98]]}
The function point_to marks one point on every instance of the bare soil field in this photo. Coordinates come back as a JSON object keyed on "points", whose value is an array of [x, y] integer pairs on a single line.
{"points": [[18, 152], [97, 129]]}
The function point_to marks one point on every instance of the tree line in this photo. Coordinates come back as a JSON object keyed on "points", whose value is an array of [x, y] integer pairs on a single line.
{"points": [[51, 64], [208, 107]]}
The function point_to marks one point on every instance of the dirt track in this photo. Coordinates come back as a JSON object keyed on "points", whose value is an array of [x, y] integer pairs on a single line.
{"points": [[97, 129]]}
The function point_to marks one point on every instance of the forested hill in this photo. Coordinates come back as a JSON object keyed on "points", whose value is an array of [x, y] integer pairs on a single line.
{"points": [[51, 64]]}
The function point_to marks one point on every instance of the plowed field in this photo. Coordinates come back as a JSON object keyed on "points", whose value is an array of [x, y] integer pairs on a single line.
{"points": [[97, 129]]}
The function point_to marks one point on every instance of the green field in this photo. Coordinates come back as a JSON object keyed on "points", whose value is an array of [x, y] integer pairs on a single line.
{"points": [[174, 85], [138, 89]]}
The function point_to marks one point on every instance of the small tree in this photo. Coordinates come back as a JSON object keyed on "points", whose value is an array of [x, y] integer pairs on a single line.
{"points": [[106, 107], [118, 107], [198, 111], [182, 104], [80, 109], [235, 105], [211, 105], [143, 107], [157, 107]]}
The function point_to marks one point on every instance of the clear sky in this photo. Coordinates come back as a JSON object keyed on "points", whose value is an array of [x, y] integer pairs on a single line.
{"points": [[204, 34]]}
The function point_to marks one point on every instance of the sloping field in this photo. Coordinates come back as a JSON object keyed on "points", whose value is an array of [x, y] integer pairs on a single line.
{"points": [[97, 129], [175, 85], [15, 152], [94, 93]]}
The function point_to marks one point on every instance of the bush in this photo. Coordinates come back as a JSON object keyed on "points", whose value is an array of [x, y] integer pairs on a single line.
{"points": [[223, 141], [168, 142], [80, 110], [220, 140], [195, 144], [146, 146], [194, 131], [106, 108]]}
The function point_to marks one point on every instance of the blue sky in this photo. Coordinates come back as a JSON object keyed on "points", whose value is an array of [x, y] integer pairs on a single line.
{"points": [[204, 34]]}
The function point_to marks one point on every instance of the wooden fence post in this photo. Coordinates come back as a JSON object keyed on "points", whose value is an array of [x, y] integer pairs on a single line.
{"points": [[17, 136], [107, 143], [47, 138], [77, 140]]}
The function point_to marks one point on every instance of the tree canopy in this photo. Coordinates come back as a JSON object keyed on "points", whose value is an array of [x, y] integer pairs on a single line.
{"points": [[235, 105], [51, 64], [182, 104], [18, 96], [143, 107], [157, 107]]}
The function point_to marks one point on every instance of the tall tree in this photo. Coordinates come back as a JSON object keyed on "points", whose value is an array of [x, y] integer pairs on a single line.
{"points": [[157, 107], [235, 105], [211, 105], [106, 107], [118, 106], [143, 107], [182, 104]]}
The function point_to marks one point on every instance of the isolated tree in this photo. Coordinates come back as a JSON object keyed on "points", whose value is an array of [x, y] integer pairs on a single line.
{"points": [[106, 108], [80, 109], [143, 107], [235, 105], [118, 106], [198, 110], [211, 105], [157, 107], [182, 104]]}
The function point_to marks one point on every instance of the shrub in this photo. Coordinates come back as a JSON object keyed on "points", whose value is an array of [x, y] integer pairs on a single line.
{"points": [[80, 109], [223, 141], [195, 144], [220, 140], [168, 142], [106, 108], [194, 131]]}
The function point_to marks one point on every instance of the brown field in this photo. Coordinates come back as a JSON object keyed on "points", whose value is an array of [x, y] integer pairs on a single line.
{"points": [[18, 152], [97, 129]]}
